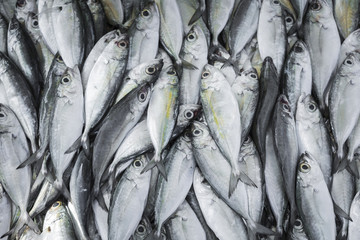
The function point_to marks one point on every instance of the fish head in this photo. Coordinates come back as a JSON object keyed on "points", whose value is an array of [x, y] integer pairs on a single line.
{"points": [[195, 41], [318, 11], [273, 7], [351, 66], [187, 113], [171, 75], [211, 77], [14, 25], [308, 172], [142, 230], [284, 107], [146, 72], [307, 109], [32, 22], [56, 213], [8, 120], [247, 148], [200, 135], [121, 41], [143, 95], [70, 83], [148, 18], [300, 51], [353, 39], [298, 228], [138, 165]]}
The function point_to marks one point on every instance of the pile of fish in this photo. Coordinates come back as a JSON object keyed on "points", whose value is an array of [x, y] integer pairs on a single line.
{"points": [[179, 119]]}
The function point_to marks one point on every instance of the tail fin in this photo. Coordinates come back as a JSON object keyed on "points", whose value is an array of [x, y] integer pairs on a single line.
{"points": [[100, 198], [75, 146], [36, 156], [197, 14], [256, 228], [60, 186], [156, 161], [24, 219], [234, 178], [188, 65]]}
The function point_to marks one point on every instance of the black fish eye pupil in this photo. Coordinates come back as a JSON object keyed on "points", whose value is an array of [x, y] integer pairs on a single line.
{"points": [[191, 36], [276, 2], [297, 223], [348, 62], [315, 6], [66, 80], [197, 132], [56, 204], [305, 167], [36, 23], [253, 75], [141, 229], [151, 69], [289, 19], [2, 115], [312, 107], [189, 114], [137, 163], [146, 13]]}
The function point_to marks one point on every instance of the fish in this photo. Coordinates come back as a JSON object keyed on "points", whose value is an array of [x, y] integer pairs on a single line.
{"points": [[179, 166], [57, 223], [114, 11], [223, 117], [298, 233], [297, 76], [224, 221], [353, 231], [313, 136], [120, 120], [347, 16], [22, 52], [112, 64], [46, 24], [23, 8], [144, 36], [162, 113], [69, 31], [20, 98], [7, 9], [185, 225], [271, 33], [350, 44], [286, 148], [269, 87], [132, 189], [16, 182], [313, 199], [66, 124], [342, 94], [89, 27], [194, 51], [98, 16], [5, 207], [300, 7], [320, 32]]}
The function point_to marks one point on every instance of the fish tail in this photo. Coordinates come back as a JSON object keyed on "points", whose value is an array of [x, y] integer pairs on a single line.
{"points": [[156, 161], [188, 65], [197, 14], [24, 219], [60, 186], [100, 198], [75, 146], [256, 228], [85, 143], [234, 178], [353, 169], [36, 156]]}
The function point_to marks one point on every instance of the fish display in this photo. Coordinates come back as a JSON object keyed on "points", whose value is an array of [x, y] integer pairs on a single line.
{"points": [[179, 119]]}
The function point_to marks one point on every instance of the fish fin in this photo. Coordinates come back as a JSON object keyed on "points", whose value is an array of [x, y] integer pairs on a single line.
{"points": [[188, 65], [156, 161], [100, 198], [149, 166], [23, 220], [353, 169], [161, 169], [36, 156], [342, 165], [341, 213], [243, 177], [256, 228], [197, 14], [75, 146], [60, 186], [293, 29], [85, 143], [234, 178]]}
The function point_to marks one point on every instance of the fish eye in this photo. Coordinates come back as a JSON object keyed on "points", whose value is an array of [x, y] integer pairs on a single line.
{"points": [[145, 13], [312, 107], [276, 2], [122, 44], [305, 167], [56, 204], [253, 75], [349, 62], [20, 3], [142, 96], [65, 80], [298, 224], [289, 19], [191, 37], [2, 115], [298, 49], [197, 132], [141, 229], [315, 6], [137, 163], [150, 70], [172, 72], [189, 114], [286, 107], [60, 59], [35, 23], [205, 74]]}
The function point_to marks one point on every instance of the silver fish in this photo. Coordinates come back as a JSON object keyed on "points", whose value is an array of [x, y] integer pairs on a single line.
{"points": [[354, 232], [98, 16], [114, 11], [271, 33], [314, 201], [320, 33], [144, 36], [23, 8], [224, 221], [128, 201], [313, 136], [179, 166], [185, 225], [347, 16], [46, 24], [350, 44], [298, 233], [194, 51], [5, 208]]}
